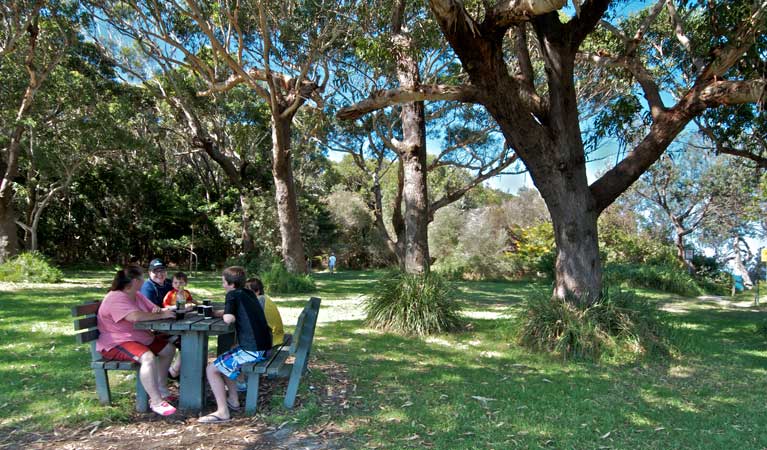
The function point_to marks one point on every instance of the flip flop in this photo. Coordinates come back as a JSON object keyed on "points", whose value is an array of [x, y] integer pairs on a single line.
{"points": [[232, 407], [212, 419]]}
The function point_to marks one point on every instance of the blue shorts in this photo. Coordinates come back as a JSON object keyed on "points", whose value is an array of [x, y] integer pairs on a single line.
{"points": [[229, 363]]}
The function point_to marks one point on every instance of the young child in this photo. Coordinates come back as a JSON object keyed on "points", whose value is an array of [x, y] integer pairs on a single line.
{"points": [[179, 281], [253, 334], [273, 317]]}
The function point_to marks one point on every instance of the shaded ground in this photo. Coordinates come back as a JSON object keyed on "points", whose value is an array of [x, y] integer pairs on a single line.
{"points": [[149, 431]]}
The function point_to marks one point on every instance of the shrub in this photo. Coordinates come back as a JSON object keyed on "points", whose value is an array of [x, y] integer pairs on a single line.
{"points": [[665, 278], [254, 263], [277, 280], [29, 267], [413, 305], [618, 323]]}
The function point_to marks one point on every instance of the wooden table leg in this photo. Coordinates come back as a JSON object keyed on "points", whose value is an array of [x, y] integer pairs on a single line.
{"points": [[194, 355]]}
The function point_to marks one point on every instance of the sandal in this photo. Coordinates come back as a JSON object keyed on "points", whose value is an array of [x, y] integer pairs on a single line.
{"points": [[212, 419], [163, 408], [231, 406]]}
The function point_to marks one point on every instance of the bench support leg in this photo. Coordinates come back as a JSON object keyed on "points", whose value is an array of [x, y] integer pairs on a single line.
{"points": [[142, 398], [295, 379], [102, 386], [251, 398]]}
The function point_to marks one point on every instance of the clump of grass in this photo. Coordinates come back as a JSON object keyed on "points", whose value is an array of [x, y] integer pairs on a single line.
{"points": [[619, 323], [664, 278], [412, 304], [277, 280], [31, 267]]}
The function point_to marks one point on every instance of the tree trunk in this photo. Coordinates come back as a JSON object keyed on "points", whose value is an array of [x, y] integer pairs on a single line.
{"points": [[246, 207], [412, 151], [679, 243], [415, 196], [9, 243], [578, 269], [285, 194], [740, 268]]}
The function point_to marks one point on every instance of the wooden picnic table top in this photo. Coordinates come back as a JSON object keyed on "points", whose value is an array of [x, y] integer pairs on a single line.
{"points": [[191, 322]]}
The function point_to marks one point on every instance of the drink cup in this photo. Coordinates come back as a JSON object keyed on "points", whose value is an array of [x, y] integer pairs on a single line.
{"points": [[208, 311], [180, 314], [206, 302], [200, 309]]}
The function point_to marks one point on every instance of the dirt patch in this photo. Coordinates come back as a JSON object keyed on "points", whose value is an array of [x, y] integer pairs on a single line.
{"points": [[149, 431]]}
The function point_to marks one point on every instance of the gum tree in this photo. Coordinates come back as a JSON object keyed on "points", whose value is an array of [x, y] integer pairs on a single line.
{"points": [[540, 116]]}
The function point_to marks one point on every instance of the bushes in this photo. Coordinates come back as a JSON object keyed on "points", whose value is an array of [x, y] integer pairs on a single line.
{"points": [[413, 305], [277, 280], [618, 323], [29, 267], [664, 278]]}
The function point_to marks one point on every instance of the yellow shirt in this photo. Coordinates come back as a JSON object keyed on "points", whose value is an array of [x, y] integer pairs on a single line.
{"points": [[273, 319]]}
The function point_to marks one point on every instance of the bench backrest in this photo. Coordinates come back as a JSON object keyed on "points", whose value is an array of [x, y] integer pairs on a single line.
{"points": [[307, 321], [86, 327]]}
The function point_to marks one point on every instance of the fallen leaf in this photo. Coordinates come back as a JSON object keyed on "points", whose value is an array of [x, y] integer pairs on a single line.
{"points": [[406, 404], [606, 435]]}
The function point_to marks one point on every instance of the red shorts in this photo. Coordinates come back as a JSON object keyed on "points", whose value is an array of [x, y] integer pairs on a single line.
{"points": [[132, 351]]}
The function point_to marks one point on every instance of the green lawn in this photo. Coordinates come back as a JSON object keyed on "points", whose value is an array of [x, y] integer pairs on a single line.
{"points": [[470, 390]]}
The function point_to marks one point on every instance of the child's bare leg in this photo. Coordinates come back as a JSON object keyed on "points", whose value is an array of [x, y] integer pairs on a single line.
{"points": [[218, 386]]}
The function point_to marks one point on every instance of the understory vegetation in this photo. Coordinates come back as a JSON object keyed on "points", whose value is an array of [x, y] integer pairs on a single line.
{"points": [[619, 325], [29, 267], [418, 305]]}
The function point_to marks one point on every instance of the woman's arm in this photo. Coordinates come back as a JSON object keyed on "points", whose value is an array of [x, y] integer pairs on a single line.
{"points": [[142, 316]]}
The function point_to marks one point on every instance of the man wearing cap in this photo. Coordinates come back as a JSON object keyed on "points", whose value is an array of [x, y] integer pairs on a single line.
{"points": [[158, 283]]}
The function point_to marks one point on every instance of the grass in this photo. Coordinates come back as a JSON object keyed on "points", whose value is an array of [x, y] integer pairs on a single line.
{"points": [[466, 390]]}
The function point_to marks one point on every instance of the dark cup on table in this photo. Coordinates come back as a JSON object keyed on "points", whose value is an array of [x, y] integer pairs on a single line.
{"points": [[206, 302], [207, 311], [200, 309], [180, 314]]}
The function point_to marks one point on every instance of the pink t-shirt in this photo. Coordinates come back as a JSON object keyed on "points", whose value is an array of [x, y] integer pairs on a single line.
{"points": [[112, 324]]}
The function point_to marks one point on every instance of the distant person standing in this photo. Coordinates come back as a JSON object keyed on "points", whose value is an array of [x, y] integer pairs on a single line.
{"points": [[332, 262], [158, 285]]}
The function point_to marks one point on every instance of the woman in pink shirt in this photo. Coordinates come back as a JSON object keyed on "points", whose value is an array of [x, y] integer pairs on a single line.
{"points": [[118, 340]]}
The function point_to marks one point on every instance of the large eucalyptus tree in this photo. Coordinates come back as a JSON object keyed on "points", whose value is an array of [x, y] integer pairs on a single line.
{"points": [[540, 116]]}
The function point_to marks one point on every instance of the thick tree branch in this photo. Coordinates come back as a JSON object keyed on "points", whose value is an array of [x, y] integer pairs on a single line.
{"points": [[591, 13], [734, 50], [644, 78], [382, 99], [506, 13]]}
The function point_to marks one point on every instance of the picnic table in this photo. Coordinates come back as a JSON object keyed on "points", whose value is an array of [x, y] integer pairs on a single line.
{"points": [[194, 330]]}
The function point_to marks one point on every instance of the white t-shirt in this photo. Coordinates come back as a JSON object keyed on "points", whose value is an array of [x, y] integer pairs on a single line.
{"points": [[332, 260]]}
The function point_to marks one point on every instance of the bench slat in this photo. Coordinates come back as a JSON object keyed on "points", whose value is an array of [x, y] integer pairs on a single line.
{"points": [[277, 363], [87, 336], [86, 309], [85, 323], [114, 365]]}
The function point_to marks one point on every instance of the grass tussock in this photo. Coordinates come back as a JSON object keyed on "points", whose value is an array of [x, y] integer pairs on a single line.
{"points": [[619, 324], [410, 304]]}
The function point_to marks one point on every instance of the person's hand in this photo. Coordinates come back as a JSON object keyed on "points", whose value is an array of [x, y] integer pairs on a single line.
{"points": [[166, 314], [156, 309]]}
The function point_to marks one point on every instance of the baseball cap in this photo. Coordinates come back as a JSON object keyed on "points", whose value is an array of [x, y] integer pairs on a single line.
{"points": [[156, 264]]}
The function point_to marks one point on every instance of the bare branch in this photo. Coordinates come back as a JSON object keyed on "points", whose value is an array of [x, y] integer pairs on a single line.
{"points": [[382, 99], [676, 21]]}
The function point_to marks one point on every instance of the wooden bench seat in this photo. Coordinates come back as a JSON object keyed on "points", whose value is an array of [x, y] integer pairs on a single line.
{"points": [[88, 332], [276, 365]]}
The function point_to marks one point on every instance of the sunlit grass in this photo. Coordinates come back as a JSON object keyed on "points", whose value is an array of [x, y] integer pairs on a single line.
{"points": [[474, 389]]}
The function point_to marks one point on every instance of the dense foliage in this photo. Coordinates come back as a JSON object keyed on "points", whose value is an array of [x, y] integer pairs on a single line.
{"points": [[29, 268]]}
